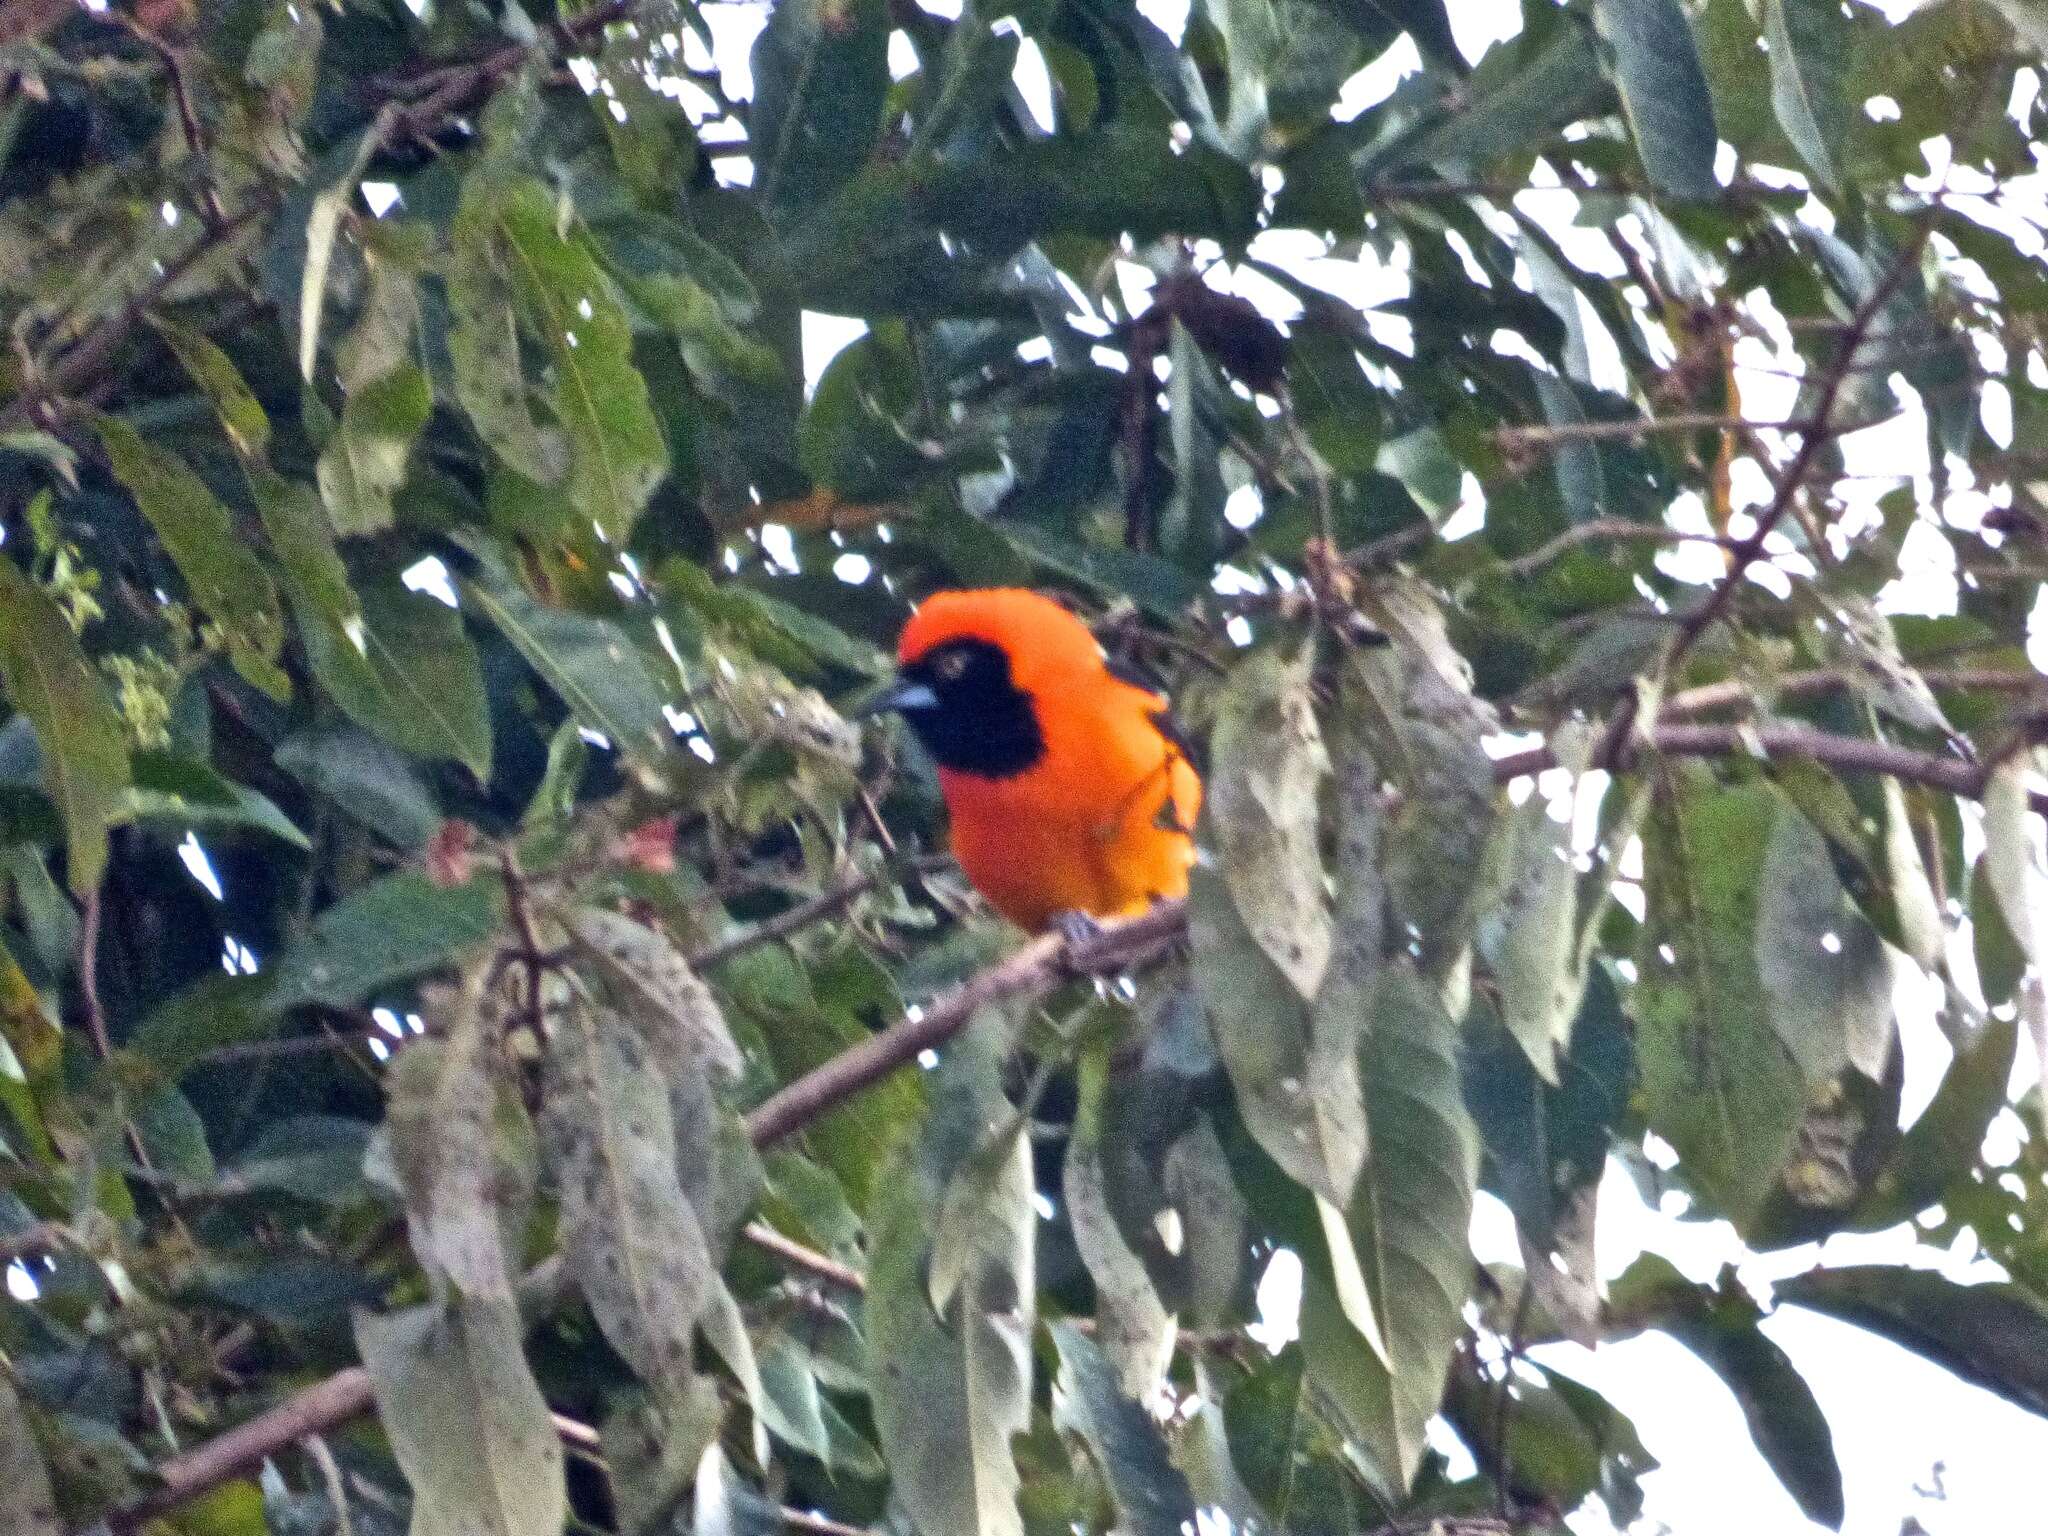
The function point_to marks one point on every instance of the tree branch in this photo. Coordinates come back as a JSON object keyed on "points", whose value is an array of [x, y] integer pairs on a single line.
{"points": [[1030, 972]]}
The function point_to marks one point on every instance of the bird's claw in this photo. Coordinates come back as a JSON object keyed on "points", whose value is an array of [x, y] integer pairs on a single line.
{"points": [[1075, 927]]}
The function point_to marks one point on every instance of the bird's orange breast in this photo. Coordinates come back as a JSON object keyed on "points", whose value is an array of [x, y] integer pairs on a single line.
{"points": [[1103, 824]]}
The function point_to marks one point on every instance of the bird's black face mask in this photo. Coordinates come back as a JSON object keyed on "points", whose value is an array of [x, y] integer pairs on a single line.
{"points": [[966, 710]]}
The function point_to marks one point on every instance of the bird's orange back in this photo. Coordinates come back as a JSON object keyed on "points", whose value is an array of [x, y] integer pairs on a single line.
{"points": [[1067, 787]]}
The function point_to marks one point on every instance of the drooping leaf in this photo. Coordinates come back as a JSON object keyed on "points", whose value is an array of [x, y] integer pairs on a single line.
{"points": [[1718, 1081], [821, 73], [484, 346], [1309, 1121], [442, 1092], [1133, 1327], [1826, 975], [616, 452], [1152, 1497], [1267, 763], [1786, 1423], [32, 1507], [632, 1241], [1664, 92], [465, 1419], [241, 414], [1530, 939], [1992, 1333], [83, 742], [949, 1392], [2010, 868], [1409, 1216], [1810, 54]]}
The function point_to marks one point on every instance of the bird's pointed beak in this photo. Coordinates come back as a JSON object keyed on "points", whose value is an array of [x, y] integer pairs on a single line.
{"points": [[903, 695]]}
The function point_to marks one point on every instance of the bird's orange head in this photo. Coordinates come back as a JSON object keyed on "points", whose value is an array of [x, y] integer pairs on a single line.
{"points": [[970, 668]]}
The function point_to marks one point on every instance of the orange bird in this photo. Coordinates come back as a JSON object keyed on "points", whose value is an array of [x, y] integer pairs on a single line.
{"points": [[1070, 790]]}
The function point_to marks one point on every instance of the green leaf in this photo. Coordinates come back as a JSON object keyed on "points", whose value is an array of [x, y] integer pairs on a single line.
{"points": [[1718, 1082], [1289, 1460], [1663, 92], [1267, 764], [1529, 939], [1409, 1217], [1827, 976], [365, 461], [1810, 53], [323, 223], [484, 348], [1514, 101], [465, 1419], [1786, 1423], [590, 662], [616, 453], [84, 744], [1300, 1104], [652, 1446], [241, 414], [821, 71], [1133, 1326], [1152, 1496], [652, 981], [183, 794], [441, 1092], [397, 662], [633, 1244], [366, 779], [2010, 868], [228, 582], [31, 1507], [949, 1392], [1994, 1334], [387, 931]]}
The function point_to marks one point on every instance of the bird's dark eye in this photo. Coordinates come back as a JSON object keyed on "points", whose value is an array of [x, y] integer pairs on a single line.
{"points": [[951, 666]]}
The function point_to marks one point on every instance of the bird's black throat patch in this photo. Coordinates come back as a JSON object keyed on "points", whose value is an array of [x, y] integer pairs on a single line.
{"points": [[983, 723]]}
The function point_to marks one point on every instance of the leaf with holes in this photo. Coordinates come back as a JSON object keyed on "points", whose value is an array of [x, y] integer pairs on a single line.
{"points": [[616, 453]]}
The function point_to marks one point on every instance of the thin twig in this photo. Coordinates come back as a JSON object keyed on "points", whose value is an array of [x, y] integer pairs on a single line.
{"points": [[829, 902], [1733, 693], [1618, 528], [89, 975], [809, 1260]]}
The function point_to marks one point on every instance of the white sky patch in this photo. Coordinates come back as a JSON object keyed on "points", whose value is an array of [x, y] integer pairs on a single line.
{"points": [[21, 1285], [1034, 82], [824, 338], [1376, 82], [431, 577], [199, 866]]}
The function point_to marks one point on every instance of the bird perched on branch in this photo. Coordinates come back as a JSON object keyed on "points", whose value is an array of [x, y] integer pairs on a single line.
{"points": [[1071, 792]]}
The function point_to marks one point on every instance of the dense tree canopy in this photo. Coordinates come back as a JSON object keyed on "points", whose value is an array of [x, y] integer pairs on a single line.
{"points": [[485, 1042]]}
